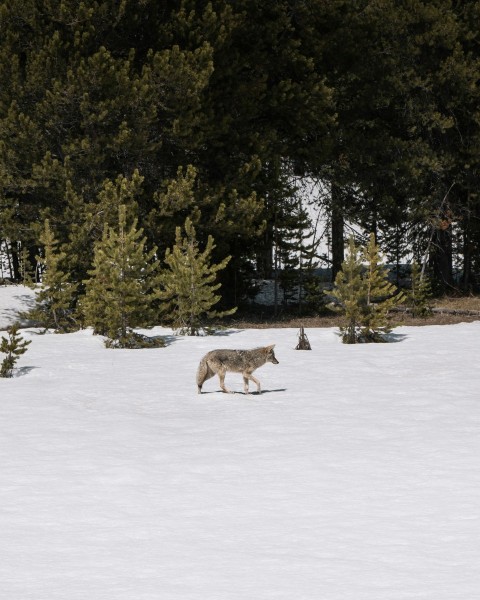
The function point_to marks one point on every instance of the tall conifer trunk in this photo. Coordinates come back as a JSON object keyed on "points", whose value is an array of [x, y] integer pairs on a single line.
{"points": [[442, 261], [337, 230], [15, 262], [468, 245]]}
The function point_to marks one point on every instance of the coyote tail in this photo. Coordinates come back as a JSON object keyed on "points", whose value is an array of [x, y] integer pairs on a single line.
{"points": [[203, 373]]}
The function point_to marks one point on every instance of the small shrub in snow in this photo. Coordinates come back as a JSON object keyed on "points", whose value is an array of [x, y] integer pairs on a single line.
{"points": [[133, 340], [420, 294], [13, 347]]}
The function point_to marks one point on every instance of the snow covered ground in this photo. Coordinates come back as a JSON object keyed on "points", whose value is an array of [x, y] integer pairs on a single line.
{"points": [[355, 476]]}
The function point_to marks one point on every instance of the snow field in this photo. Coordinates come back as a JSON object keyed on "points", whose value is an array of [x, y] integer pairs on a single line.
{"points": [[354, 476]]}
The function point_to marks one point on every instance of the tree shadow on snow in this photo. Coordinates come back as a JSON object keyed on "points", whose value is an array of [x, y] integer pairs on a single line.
{"points": [[26, 301], [21, 371], [225, 332], [395, 337], [13, 315], [167, 339]]}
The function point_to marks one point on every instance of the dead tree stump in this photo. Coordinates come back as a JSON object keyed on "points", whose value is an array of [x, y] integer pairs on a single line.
{"points": [[303, 343]]}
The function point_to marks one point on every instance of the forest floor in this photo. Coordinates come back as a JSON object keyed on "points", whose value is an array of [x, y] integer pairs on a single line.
{"points": [[447, 310]]}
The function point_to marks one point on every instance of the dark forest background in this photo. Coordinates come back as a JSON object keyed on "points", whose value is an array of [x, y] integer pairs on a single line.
{"points": [[218, 111]]}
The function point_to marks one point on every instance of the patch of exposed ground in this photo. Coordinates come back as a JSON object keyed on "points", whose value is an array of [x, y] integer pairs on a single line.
{"points": [[447, 311]]}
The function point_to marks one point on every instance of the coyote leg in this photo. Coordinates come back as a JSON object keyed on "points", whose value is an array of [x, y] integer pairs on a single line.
{"points": [[221, 376], [259, 389], [248, 376]]}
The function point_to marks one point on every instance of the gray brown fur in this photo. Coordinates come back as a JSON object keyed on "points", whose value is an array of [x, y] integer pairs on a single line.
{"points": [[219, 362]]}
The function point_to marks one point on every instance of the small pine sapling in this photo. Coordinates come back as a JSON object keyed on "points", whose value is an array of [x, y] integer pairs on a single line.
{"points": [[13, 347], [25, 267], [350, 294], [364, 294], [119, 293], [420, 293], [381, 296], [55, 299], [189, 284]]}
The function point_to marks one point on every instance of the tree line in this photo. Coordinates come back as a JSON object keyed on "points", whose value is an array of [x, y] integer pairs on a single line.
{"points": [[213, 111]]}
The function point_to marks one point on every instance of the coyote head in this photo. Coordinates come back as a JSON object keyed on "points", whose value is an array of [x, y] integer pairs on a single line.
{"points": [[271, 354]]}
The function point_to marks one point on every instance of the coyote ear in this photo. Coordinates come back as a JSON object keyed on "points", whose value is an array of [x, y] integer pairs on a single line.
{"points": [[270, 347]]}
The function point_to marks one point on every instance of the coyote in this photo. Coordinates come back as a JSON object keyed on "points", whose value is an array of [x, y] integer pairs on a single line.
{"points": [[237, 361]]}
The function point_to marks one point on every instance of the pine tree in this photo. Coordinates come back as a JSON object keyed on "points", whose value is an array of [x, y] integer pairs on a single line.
{"points": [[54, 307], [90, 91], [188, 285], [365, 295], [350, 294], [420, 293], [119, 294], [381, 295], [13, 346], [296, 252]]}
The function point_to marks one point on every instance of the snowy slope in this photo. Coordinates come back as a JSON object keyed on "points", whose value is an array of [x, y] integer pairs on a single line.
{"points": [[355, 476]]}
